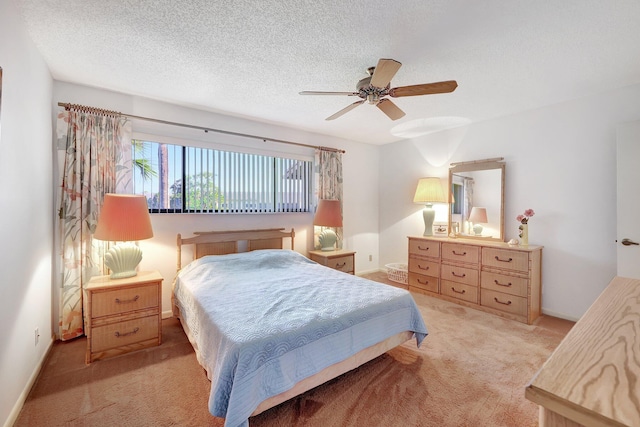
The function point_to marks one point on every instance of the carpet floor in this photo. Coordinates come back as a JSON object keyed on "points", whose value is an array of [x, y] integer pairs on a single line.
{"points": [[471, 370]]}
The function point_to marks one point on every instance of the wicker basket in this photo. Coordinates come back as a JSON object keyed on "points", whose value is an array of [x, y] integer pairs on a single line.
{"points": [[397, 272]]}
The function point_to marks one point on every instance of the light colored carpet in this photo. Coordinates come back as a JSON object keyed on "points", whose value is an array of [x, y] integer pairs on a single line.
{"points": [[470, 371]]}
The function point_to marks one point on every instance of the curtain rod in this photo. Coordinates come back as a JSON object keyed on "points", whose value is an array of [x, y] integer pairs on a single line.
{"points": [[67, 106]]}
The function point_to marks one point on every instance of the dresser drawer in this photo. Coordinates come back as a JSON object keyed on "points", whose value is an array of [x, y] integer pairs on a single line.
{"points": [[460, 253], [502, 283], [504, 258], [468, 276], [421, 266], [124, 300], [424, 248], [124, 333], [459, 291], [422, 282], [503, 302]]}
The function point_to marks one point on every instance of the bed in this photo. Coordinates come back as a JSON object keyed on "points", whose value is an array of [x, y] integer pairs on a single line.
{"points": [[268, 324]]}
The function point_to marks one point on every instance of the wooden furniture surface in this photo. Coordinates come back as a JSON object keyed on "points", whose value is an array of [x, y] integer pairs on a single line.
{"points": [[593, 376], [340, 260], [123, 315], [491, 276]]}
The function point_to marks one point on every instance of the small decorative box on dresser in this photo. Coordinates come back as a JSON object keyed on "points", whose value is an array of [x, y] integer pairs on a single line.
{"points": [[123, 315], [491, 276], [338, 260]]}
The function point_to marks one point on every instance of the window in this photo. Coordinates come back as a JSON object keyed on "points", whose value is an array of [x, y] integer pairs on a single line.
{"points": [[177, 178]]}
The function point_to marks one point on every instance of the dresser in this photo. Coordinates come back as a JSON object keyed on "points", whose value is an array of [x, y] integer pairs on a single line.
{"points": [[341, 260], [490, 276], [591, 379], [123, 315]]}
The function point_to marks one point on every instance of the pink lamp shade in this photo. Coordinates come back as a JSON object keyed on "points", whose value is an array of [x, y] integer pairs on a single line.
{"points": [[478, 215], [123, 218], [328, 214]]}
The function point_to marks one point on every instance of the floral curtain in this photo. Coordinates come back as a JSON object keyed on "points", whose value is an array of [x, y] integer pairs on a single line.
{"points": [[328, 182], [94, 158], [468, 201]]}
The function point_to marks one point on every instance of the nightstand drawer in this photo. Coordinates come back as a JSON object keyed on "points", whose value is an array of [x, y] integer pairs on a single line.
{"points": [[343, 263], [124, 300], [340, 260], [459, 291], [124, 333], [468, 276], [460, 253], [425, 283], [503, 302], [424, 248]]}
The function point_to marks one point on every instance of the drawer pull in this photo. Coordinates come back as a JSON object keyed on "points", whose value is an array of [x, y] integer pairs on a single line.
{"points": [[459, 254], [503, 260], [500, 302], [423, 268], [457, 292], [126, 301], [118, 334], [340, 265], [426, 282], [458, 275], [423, 249], [502, 284]]}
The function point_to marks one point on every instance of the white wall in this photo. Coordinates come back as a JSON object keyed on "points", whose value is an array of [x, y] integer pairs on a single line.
{"points": [[159, 253], [27, 212], [560, 161]]}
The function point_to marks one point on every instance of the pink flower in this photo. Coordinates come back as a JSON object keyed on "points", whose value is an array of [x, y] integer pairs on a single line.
{"points": [[524, 218]]}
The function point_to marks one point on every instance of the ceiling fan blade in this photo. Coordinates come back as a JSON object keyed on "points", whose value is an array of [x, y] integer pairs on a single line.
{"points": [[345, 110], [384, 72], [312, 92], [390, 109], [424, 89]]}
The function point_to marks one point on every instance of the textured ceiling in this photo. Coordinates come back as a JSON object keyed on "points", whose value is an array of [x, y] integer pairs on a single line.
{"points": [[251, 58]]}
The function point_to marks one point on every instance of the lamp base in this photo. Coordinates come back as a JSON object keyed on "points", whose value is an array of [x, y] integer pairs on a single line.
{"points": [[328, 239], [428, 214], [477, 229], [123, 259]]}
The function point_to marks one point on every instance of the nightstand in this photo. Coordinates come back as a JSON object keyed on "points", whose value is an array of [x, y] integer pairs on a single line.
{"points": [[123, 315], [338, 260]]}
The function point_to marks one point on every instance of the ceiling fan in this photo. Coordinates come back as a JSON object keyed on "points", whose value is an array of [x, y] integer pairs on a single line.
{"points": [[375, 88]]}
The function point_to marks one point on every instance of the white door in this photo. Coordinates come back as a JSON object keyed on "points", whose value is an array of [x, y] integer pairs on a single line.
{"points": [[628, 199]]}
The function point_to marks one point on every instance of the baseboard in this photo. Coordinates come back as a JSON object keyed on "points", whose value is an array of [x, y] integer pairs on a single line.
{"points": [[375, 270], [559, 315], [167, 314], [15, 412]]}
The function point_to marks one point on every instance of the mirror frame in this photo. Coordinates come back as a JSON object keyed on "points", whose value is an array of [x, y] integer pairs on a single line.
{"points": [[479, 165]]}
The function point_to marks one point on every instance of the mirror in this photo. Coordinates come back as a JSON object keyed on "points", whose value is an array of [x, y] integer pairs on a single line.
{"points": [[477, 184]]}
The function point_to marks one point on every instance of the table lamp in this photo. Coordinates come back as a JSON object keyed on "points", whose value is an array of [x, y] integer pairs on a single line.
{"points": [[123, 218], [429, 191], [478, 216], [329, 214]]}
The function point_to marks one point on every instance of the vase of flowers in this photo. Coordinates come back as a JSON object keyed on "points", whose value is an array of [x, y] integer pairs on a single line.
{"points": [[524, 226]]}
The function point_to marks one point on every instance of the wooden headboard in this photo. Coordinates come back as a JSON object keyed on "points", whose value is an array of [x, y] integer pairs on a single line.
{"points": [[226, 242]]}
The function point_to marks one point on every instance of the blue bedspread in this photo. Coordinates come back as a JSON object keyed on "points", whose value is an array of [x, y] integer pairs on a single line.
{"points": [[262, 321]]}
